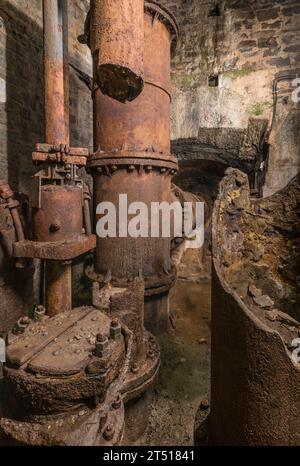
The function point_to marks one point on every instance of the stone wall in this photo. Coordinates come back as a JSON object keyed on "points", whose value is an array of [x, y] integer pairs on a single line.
{"points": [[230, 53]]}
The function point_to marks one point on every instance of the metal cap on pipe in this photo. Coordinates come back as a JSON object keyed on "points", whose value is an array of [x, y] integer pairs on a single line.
{"points": [[117, 43]]}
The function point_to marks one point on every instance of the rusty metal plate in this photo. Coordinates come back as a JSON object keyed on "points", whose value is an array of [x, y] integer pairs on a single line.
{"points": [[58, 251], [70, 352], [39, 334]]}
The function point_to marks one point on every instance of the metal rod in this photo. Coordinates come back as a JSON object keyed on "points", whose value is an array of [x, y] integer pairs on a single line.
{"points": [[58, 277], [56, 77]]}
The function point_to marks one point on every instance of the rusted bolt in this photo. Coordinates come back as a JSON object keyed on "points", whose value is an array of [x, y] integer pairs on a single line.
{"points": [[163, 170], [101, 346], [204, 405], [115, 330], [68, 176], [148, 168], [83, 39], [25, 321], [54, 227], [39, 313], [114, 168], [177, 193], [100, 338], [131, 168], [21, 325], [68, 166], [117, 403], [109, 433], [135, 368], [151, 354], [173, 172]]}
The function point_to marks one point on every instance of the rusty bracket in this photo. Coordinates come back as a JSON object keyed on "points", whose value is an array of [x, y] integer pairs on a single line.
{"points": [[57, 251], [46, 153], [59, 164], [7, 195]]}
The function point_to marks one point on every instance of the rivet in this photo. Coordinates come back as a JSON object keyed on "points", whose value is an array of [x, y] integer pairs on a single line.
{"points": [[135, 368], [54, 227], [117, 403], [109, 433], [204, 405], [151, 354]]}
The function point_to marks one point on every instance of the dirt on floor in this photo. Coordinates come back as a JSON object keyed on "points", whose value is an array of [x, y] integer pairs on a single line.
{"points": [[185, 354]]}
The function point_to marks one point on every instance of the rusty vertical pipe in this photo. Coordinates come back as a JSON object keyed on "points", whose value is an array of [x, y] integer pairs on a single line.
{"points": [[134, 158], [56, 79], [117, 43], [58, 277]]}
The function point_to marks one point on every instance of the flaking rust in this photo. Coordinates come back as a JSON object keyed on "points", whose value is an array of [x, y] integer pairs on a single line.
{"points": [[136, 160], [117, 44]]}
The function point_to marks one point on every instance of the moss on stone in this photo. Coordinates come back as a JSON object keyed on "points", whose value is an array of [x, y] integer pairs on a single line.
{"points": [[239, 73], [259, 108], [188, 81]]}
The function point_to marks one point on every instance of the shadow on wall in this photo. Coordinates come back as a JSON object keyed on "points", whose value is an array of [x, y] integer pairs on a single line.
{"points": [[22, 115], [24, 105]]}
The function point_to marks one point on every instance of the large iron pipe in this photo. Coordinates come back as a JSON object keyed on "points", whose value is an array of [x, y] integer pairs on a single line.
{"points": [[133, 157], [117, 44], [145, 123], [58, 277]]}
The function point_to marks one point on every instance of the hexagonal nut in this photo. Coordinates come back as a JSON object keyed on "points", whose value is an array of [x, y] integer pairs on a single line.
{"points": [[39, 313], [101, 347], [115, 330]]}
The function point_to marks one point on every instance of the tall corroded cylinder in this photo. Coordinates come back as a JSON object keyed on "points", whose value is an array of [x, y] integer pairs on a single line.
{"points": [[145, 123], [117, 43], [132, 158]]}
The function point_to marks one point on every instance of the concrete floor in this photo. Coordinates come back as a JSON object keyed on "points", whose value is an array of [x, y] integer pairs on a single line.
{"points": [[184, 376]]}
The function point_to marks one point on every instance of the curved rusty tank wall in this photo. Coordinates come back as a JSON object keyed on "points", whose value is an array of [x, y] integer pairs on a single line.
{"points": [[255, 394]]}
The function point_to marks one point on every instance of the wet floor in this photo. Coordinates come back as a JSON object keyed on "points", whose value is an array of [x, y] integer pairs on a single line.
{"points": [[185, 353]]}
